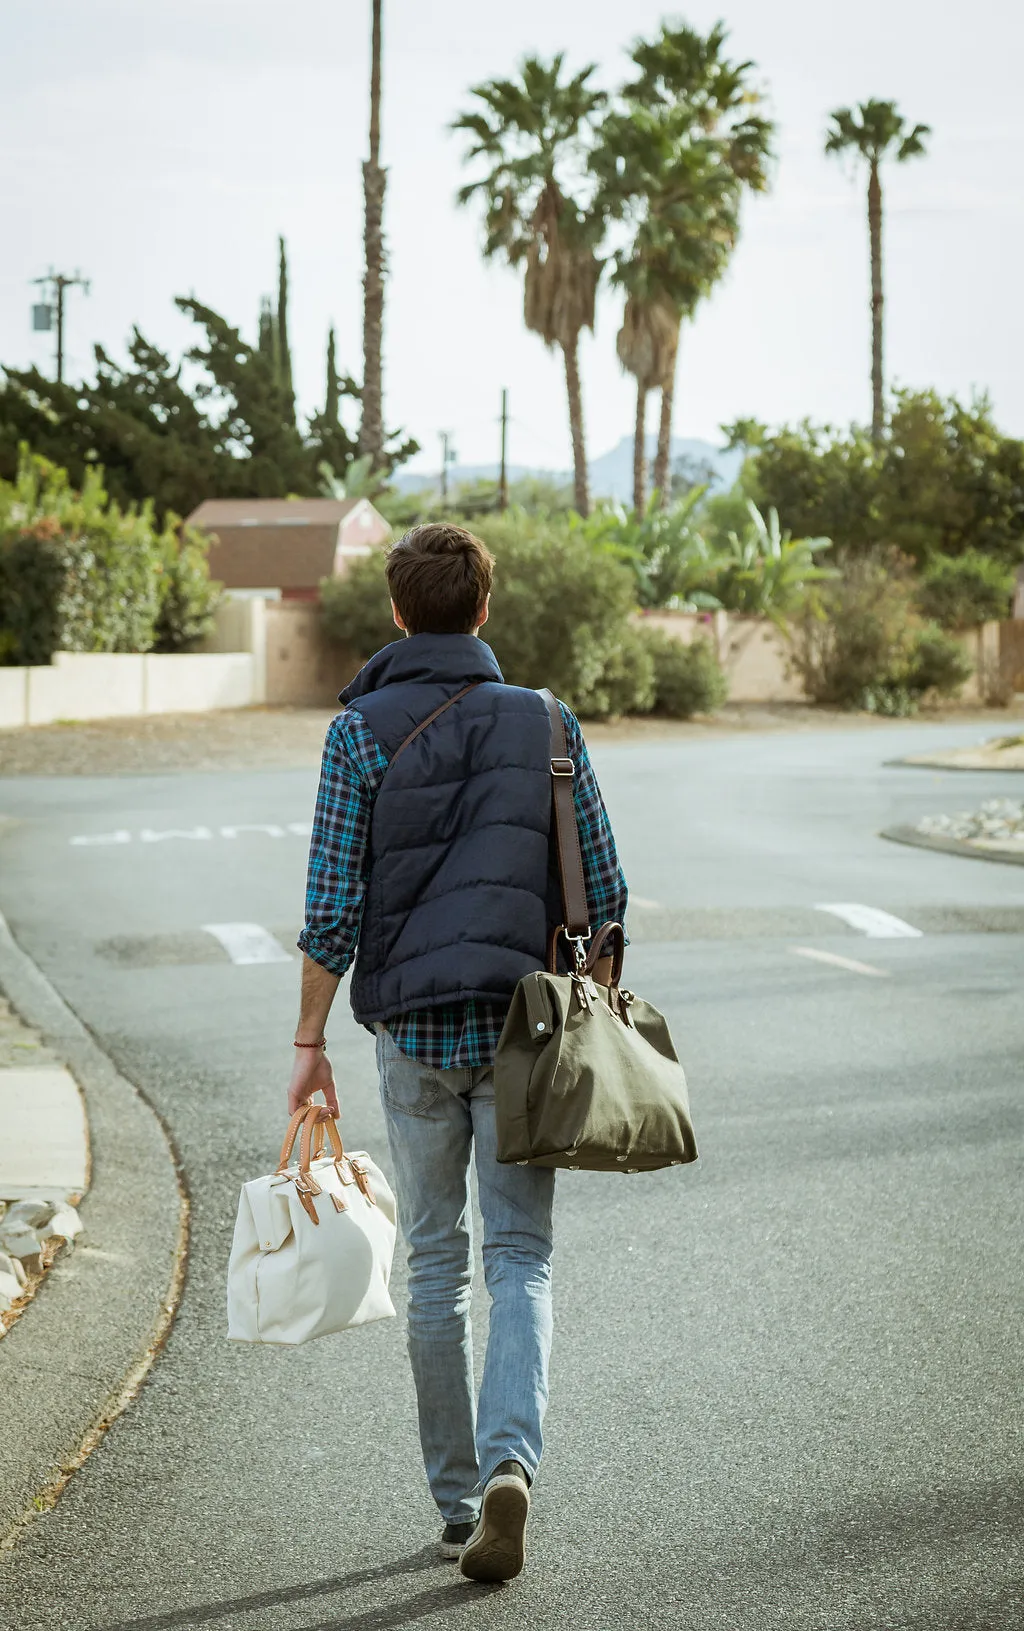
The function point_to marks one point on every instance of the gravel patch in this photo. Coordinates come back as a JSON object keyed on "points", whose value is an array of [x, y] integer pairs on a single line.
{"points": [[287, 738]]}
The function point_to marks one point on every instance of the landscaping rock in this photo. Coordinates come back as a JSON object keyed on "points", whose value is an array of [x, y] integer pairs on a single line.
{"points": [[13, 1280], [999, 823], [26, 1225]]}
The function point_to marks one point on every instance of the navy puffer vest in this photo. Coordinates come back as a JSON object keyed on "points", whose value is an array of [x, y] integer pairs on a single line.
{"points": [[457, 901]]}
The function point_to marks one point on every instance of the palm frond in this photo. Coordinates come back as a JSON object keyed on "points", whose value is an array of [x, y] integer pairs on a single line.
{"points": [[874, 130]]}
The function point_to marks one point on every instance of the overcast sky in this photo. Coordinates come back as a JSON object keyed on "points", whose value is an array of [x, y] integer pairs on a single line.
{"points": [[161, 145]]}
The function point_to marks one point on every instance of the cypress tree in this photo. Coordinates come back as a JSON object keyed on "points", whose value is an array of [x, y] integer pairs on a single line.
{"points": [[284, 360], [332, 403], [267, 342]]}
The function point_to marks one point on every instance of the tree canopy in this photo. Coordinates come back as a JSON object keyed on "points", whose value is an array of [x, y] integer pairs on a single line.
{"points": [[217, 423], [944, 481]]}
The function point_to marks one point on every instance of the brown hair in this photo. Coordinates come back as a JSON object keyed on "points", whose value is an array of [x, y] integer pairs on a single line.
{"points": [[439, 576]]}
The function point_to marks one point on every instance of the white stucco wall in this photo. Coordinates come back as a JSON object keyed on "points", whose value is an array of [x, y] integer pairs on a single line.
{"points": [[101, 685]]}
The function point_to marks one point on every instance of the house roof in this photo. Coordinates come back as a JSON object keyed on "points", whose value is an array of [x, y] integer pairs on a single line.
{"points": [[272, 543], [271, 512]]}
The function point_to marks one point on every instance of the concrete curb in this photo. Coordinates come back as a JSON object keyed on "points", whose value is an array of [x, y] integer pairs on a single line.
{"points": [[947, 764], [948, 846], [80, 1353]]}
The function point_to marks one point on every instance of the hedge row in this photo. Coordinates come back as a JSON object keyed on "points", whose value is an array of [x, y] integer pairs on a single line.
{"points": [[78, 573]]}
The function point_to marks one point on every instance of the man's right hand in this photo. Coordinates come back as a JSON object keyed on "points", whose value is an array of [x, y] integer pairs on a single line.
{"points": [[312, 1073]]}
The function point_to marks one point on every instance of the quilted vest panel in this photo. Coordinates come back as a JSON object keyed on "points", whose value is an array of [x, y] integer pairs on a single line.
{"points": [[457, 905]]}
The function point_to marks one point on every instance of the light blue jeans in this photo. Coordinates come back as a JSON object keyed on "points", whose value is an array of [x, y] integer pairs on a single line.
{"points": [[435, 1118]]}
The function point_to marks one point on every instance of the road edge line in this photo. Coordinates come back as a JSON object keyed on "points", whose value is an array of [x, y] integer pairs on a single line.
{"points": [[45, 1354]]}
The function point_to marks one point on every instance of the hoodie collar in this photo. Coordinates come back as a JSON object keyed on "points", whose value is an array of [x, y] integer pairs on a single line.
{"points": [[425, 659]]}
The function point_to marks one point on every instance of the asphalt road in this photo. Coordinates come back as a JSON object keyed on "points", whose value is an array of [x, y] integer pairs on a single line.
{"points": [[787, 1385]]}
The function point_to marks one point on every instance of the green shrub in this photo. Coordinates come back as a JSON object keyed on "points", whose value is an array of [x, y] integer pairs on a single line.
{"points": [[77, 573], [627, 684], [857, 633], [763, 572], [188, 597], [863, 645], [672, 563], [33, 566], [936, 662], [559, 613], [961, 591], [688, 679], [356, 609], [890, 699]]}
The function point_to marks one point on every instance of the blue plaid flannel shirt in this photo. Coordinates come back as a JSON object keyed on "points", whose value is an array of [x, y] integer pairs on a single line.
{"points": [[455, 1034]]}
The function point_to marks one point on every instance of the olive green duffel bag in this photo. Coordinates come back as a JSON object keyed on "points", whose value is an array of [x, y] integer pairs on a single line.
{"points": [[585, 1074]]}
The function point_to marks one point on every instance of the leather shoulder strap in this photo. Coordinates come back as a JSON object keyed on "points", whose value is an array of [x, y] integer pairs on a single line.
{"points": [[567, 837], [430, 719]]}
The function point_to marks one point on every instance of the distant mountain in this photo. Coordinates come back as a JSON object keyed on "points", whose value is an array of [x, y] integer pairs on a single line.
{"points": [[611, 474]]}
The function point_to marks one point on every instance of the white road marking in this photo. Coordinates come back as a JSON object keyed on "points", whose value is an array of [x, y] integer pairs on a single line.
{"points": [[838, 962], [641, 900], [149, 836], [248, 943], [873, 922], [269, 827]]}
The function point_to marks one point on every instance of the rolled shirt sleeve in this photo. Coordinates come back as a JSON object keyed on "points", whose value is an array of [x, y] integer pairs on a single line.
{"points": [[352, 769]]}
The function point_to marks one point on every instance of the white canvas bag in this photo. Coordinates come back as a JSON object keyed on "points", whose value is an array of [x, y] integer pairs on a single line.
{"points": [[313, 1243]]}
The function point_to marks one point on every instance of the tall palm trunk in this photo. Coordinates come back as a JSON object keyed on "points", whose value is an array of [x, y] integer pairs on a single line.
{"points": [[640, 449], [371, 430], [662, 480], [579, 450], [875, 235]]}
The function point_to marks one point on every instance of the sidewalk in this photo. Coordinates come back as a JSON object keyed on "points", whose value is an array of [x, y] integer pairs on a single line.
{"points": [[80, 1329], [44, 1162]]}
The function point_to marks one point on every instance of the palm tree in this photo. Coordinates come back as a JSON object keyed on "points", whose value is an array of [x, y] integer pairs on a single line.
{"points": [[673, 161], [371, 430], [532, 133], [875, 131]]}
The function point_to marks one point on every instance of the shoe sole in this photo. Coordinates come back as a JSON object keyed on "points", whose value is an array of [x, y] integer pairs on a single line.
{"points": [[450, 1550], [497, 1548]]}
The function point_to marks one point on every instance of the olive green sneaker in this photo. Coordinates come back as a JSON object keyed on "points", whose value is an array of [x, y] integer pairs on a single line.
{"points": [[496, 1550], [453, 1541]]}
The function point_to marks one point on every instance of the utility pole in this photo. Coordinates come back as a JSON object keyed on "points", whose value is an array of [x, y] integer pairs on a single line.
{"points": [[56, 283], [447, 458], [503, 472]]}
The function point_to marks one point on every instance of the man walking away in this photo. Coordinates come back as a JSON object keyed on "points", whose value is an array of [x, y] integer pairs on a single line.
{"points": [[430, 866]]}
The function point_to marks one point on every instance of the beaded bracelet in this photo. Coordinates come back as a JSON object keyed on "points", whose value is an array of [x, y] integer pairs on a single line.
{"points": [[321, 1044]]}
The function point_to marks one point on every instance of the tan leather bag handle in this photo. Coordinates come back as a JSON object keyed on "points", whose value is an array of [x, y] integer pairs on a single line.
{"points": [[293, 1127], [309, 1149]]}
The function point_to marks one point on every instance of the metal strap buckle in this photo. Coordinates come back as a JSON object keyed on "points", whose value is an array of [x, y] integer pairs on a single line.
{"points": [[562, 767]]}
